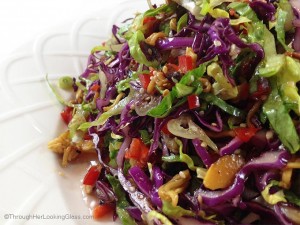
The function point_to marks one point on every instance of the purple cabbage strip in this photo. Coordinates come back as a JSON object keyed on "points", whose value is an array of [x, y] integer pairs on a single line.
{"points": [[222, 35], [134, 212], [127, 139], [125, 145], [216, 33], [231, 147], [230, 35], [265, 11], [137, 198], [109, 95], [141, 179], [115, 32], [259, 140], [145, 185], [219, 124], [104, 192], [204, 25], [110, 124], [109, 72], [281, 211], [126, 118], [176, 42], [158, 180], [157, 175], [296, 8], [202, 153], [263, 178], [90, 67], [158, 125], [267, 215], [268, 160]]}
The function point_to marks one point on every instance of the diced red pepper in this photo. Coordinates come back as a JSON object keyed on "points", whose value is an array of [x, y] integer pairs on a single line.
{"points": [[172, 60], [87, 137], [172, 67], [243, 89], [138, 151], [165, 129], [101, 210], [245, 133], [67, 114], [145, 80], [149, 19], [95, 87], [193, 101], [232, 12], [91, 176], [263, 89], [150, 25], [185, 63]]}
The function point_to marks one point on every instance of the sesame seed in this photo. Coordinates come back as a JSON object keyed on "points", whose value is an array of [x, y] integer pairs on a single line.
{"points": [[181, 174], [269, 134], [140, 196], [204, 144], [199, 199], [131, 189], [165, 69], [217, 43], [243, 125], [214, 124]]}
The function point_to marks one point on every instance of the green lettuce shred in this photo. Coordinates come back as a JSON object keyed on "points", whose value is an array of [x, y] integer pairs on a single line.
{"points": [[156, 215], [182, 157], [281, 120], [136, 51], [122, 202], [175, 211], [214, 100]]}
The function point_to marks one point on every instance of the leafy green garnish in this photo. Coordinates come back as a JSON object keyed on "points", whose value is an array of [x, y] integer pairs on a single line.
{"points": [[280, 119], [214, 100]]}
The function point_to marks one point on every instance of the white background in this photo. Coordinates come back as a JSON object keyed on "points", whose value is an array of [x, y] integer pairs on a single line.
{"points": [[22, 20]]}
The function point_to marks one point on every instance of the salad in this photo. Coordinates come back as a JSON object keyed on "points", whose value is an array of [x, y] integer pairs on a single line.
{"points": [[192, 108]]}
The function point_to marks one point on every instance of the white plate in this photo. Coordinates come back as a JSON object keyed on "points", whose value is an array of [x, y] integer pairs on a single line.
{"points": [[31, 183]]}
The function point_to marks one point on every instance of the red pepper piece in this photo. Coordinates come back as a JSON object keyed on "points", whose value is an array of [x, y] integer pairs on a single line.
{"points": [[67, 114], [245, 133], [91, 176], [193, 101]]}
